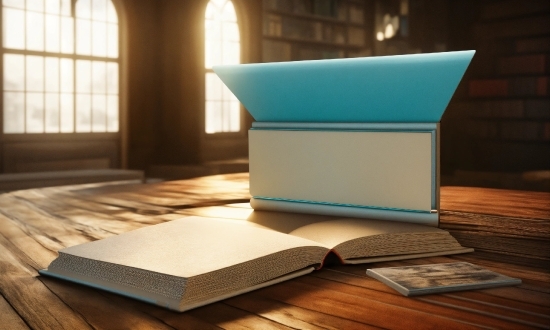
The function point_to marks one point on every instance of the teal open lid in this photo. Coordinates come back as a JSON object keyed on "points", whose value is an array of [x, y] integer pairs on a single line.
{"points": [[400, 88]]}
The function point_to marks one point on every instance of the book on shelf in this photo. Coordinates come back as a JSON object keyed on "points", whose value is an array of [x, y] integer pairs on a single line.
{"points": [[356, 13], [190, 262], [439, 278], [349, 137], [356, 36]]}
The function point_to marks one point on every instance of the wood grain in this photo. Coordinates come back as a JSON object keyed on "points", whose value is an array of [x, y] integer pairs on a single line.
{"points": [[507, 227]]}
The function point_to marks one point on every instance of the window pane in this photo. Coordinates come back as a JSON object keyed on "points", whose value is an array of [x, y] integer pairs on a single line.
{"points": [[210, 11], [67, 40], [234, 116], [14, 28], [99, 10], [35, 31], [112, 113], [83, 76], [67, 82], [213, 87], [35, 73], [99, 39], [222, 46], [14, 112], [53, 7], [112, 78], [112, 40], [52, 33], [36, 5], [225, 116], [111, 13], [213, 116], [14, 72], [35, 113], [52, 113], [213, 30], [99, 73], [227, 95], [231, 32], [14, 3], [230, 52], [83, 9], [66, 7], [67, 113], [83, 37], [213, 53], [228, 13], [99, 113], [83, 113], [52, 74]]}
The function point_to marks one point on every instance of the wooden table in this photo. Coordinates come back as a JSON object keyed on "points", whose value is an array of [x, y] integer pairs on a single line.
{"points": [[509, 229]]}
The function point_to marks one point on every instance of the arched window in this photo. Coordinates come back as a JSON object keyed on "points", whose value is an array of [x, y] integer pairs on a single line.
{"points": [[61, 66], [222, 46]]}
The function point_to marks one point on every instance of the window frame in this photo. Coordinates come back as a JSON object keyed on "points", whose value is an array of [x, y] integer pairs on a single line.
{"points": [[80, 136], [120, 139]]}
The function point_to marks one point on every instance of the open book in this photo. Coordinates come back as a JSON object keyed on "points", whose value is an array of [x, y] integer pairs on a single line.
{"points": [[194, 261]]}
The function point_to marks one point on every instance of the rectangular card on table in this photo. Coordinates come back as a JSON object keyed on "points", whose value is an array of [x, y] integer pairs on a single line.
{"points": [[440, 278]]}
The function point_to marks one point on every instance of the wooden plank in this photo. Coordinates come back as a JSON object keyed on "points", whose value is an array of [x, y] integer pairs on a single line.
{"points": [[459, 309], [495, 224], [48, 228], [510, 314], [178, 320], [508, 203], [100, 308], [523, 293], [39, 307], [516, 298], [22, 244], [228, 317], [292, 316], [9, 319], [358, 304]]}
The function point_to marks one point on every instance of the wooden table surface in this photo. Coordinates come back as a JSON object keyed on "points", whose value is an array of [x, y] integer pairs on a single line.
{"points": [[509, 229]]}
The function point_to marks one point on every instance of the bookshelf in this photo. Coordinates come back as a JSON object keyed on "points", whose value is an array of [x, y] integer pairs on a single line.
{"points": [[296, 30]]}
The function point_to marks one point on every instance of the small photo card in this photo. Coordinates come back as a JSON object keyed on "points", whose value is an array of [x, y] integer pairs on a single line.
{"points": [[440, 278]]}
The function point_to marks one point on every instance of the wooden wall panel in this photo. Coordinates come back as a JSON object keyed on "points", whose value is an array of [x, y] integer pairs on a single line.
{"points": [[35, 156]]}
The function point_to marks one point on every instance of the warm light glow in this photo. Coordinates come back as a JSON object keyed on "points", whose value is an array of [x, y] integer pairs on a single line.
{"points": [[390, 25], [389, 32], [222, 46]]}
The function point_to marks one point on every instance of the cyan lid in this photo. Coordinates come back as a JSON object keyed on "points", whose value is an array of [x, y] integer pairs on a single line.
{"points": [[401, 88]]}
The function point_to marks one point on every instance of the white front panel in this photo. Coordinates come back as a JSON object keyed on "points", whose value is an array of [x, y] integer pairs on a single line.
{"points": [[374, 169]]}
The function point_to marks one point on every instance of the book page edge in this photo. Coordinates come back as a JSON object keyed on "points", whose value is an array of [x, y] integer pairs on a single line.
{"points": [[406, 256]]}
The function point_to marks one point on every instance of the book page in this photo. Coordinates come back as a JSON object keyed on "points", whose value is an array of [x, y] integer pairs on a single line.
{"points": [[337, 231], [190, 246]]}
